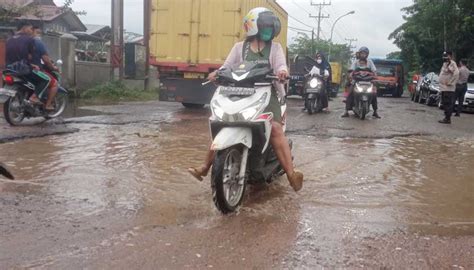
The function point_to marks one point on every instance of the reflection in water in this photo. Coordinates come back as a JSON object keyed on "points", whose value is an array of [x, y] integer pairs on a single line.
{"points": [[354, 187]]}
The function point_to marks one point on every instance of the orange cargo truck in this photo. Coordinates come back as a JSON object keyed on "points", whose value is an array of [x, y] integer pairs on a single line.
{"points": [[390, 77], [191, 38]]}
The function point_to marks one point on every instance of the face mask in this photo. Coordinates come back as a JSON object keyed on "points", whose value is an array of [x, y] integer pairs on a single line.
{"points": [[266, 34], [319, 61]]}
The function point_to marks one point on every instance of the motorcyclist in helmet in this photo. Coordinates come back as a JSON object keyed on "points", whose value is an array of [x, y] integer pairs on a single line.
{"points": [[261, 27], [322, 68], [362, 61]]}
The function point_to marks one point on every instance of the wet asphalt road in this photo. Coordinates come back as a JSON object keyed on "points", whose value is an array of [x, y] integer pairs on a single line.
{"points": [[106, 188]]}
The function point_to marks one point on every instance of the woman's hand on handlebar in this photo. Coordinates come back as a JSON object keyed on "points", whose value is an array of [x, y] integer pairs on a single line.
{"points": [[212, 76], [282, 75]]}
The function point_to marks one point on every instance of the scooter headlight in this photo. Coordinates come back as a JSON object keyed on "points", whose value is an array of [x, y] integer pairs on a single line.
{"points": [[313, 83], [359, 89], [249, 113], [255, 109], [370, 89]]}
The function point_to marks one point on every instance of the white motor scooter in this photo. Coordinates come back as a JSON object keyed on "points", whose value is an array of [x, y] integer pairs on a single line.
{"points": [[241, 131]]}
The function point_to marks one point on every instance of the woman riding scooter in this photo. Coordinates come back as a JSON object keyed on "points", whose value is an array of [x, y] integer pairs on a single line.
{"points": [[323, 68], [261, 27]]}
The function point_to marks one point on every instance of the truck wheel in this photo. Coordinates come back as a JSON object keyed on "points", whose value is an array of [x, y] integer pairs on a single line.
{"points": [[192, 105], [227, 192]]}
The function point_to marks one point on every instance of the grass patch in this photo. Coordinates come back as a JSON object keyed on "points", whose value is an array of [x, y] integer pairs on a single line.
{"points": [[117, 91]]}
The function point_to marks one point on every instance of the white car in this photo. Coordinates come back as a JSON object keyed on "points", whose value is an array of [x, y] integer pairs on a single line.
{"points": [[468, 103]]}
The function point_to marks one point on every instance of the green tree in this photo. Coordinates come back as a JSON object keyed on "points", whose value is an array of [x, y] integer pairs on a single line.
{"points": [[304, 45], [395, 55], [421, 38]]}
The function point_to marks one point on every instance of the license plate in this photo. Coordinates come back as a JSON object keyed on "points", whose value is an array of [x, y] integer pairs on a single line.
{"points": [[365, 98], [191, 75], [7, 92], [310, 91], [237, 91]]}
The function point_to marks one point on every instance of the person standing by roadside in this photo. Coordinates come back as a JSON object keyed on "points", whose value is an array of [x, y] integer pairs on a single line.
{"points": [[461, 86], [448, 77]]}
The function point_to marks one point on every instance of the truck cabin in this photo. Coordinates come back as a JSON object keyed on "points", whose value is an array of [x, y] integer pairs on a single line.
{"points": [[390, 76]]}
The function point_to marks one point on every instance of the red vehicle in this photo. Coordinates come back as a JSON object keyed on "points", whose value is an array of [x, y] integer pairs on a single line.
{"points": [[390, 77], [412, 86]]}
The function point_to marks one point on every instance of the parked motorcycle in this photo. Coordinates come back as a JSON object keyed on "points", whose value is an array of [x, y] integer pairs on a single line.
{"points": [[313, 93], [241, 133], [16, 93], [5, 172], [364, 92]]}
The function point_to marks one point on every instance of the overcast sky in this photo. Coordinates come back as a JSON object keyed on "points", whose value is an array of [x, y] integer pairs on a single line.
{"points": [[371, 24]]}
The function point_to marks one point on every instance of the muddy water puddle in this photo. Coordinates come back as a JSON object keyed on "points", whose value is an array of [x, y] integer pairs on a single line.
{"points": [[117, 195]]}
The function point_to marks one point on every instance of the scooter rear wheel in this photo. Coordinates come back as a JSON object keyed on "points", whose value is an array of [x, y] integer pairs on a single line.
{"points": [[227, 192]]}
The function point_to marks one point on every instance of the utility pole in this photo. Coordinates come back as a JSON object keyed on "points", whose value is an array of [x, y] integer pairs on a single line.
{"points": [[116, 48], [350, 40], [312, 42], [444, 26], [320, 15], [122, 45], [146, 37]]}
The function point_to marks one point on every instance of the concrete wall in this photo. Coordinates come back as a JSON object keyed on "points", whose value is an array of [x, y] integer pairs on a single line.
{"points": [[90, 74], [63, 47]]}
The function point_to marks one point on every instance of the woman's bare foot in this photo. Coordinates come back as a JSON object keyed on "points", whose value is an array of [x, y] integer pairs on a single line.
{"points": [[198, 173], [296, 180]]}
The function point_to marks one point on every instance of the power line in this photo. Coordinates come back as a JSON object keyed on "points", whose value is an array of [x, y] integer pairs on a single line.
{"points": [[300, 21], [299, 29], [296, 4], [320, 16]]}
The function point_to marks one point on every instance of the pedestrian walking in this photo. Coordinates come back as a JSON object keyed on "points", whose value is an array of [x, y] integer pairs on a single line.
{"points": [[448, 77], [461, 86]]}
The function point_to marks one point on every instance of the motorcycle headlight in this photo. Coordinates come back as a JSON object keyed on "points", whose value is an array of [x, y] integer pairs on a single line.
{"points": [[253, 110], [359, 89], [370, 89], [313, 83]]}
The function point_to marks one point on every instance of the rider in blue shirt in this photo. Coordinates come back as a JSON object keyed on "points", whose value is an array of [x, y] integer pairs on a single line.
{"points": [[20, 48]]}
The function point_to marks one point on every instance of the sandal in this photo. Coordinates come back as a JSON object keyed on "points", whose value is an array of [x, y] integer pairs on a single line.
{"points": [[49, 109], [35, 101], [197, 173], [296, 180]]}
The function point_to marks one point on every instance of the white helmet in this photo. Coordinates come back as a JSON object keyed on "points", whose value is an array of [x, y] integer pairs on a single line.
{"points": [[261, 22]]}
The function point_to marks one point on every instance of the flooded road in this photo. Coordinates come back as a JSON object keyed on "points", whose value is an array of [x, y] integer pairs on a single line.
{"points": [[116, 194]]}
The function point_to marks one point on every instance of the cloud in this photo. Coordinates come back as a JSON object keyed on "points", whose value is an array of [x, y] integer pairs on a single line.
{"points": [[371, 24]]}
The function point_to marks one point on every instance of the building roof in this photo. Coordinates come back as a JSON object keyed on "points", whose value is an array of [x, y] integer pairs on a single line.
{"points": [[23, 3], [47, 11], [93, 29], [94, 32]]}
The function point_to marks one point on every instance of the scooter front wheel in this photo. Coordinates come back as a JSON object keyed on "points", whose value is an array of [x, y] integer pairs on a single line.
{"points": [[227, 189]]}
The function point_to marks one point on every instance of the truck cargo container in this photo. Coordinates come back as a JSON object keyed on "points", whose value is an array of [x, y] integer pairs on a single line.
{"points": [[191, 38]]}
